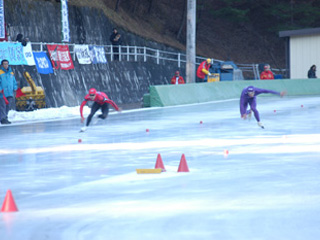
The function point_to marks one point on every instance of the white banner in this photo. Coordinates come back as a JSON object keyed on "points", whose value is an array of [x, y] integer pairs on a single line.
{"points": [[2, 23], [28, 54], [83, 54], [65, 21]]}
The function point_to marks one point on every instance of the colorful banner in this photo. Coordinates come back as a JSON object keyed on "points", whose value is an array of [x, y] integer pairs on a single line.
{"points": [[28, 54], [60, 57], [13, 52], [65, 21], [2, 23], [83, 54], [97, 54], [42, 62]]}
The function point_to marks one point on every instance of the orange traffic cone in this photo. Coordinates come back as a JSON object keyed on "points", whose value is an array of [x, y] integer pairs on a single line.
{"points": [[9, 205], [183, 166], [159, 163]]}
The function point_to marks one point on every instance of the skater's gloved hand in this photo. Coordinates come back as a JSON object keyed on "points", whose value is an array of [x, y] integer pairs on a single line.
{"points": [[244, 116], [82, 119], [283, 93]]}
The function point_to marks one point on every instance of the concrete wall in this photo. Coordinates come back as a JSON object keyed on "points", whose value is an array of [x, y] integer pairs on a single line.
{"points": [[124, 82], [171, 95]]}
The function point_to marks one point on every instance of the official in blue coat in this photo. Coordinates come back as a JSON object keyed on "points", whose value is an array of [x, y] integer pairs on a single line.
{"points": [[8, 85]]}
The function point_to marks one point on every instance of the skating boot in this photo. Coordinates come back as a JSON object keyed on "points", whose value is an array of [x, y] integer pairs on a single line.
{"points": [[260, 125]]}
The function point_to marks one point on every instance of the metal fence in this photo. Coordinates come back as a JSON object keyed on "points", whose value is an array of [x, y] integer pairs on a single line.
{"points": [[144, 54]]}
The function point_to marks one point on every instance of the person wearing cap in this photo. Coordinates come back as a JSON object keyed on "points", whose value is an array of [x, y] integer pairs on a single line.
{"points": [[266, 74], [203, 71], [248, 97], [100, 100], [177, 79]]}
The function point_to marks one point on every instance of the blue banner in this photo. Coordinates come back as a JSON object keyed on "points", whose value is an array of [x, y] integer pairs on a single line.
{"points": [[13, 52], [42, 62], [2, 23], [97, 54]]}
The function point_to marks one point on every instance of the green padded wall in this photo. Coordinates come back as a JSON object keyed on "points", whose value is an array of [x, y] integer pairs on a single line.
{"points": [[170, 95]]}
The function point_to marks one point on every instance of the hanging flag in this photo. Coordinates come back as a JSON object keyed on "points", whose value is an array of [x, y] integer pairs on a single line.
{"points": [[52, 49], [65, 21], [64, 57], [42, 62], [60, 56], [83, 54], [97, 54], [2, 23], [28, 54]]}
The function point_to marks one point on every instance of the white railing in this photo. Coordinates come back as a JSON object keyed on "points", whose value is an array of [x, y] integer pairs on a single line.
{"points": [[143, 54], [130, 53]]}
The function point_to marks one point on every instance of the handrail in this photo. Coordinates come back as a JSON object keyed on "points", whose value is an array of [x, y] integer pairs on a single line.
{"points": [[143, 53]]}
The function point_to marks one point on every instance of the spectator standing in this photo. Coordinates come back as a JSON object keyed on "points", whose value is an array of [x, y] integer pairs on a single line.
{"points": [[177, 79], [100, 100], [248, 97], [24, 40], [116, 41], [267, 74], [8, 85], [203, 71], [312, 72]]}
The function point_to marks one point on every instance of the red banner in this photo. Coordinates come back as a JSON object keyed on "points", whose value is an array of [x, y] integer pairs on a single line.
{"points": [[60, 57]]}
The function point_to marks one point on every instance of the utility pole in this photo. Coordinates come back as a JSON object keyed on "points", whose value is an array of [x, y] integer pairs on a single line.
{"points": [[191, 42]]}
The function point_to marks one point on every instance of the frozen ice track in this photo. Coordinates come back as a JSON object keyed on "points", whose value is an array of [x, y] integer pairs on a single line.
{"points": [[266, 188]]}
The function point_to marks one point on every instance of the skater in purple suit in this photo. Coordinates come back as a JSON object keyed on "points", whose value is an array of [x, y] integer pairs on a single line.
{"points": [[248, 96]]}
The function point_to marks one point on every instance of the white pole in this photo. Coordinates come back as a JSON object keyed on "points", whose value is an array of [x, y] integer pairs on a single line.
{"points": [[191, 42]]}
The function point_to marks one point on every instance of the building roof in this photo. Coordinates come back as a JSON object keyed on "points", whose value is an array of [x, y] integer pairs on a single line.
{"points": [[301, 32]]}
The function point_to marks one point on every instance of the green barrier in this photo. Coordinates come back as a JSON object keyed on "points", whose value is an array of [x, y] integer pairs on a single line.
{"points": [[146, 100], [170, 95]]}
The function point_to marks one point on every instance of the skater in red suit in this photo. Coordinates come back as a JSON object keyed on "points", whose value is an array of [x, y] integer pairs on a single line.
{"points": [[100, 100]]}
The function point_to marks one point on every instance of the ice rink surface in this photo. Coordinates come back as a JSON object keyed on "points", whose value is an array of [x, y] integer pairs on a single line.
{"points": [[266, 187]]}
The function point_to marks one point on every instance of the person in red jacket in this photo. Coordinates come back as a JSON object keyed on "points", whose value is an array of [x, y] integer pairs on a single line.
{"points": [[177, 79], [266, 74], [100, 100], [203, 71]]}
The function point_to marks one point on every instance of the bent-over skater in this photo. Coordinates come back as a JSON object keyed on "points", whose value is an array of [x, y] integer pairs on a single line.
{"points": [[248, 97], [100, 100]]}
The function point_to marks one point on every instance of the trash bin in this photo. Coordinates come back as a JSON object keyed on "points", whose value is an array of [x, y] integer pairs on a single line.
{"points": [[226, 71]]}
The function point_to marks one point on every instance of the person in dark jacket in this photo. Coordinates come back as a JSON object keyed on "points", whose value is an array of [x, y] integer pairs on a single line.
{"points": [[116, 41], [312, 72], [248, 97]]}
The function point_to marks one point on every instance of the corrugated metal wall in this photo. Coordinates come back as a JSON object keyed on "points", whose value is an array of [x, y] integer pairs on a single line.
{"points": [[304, 52]]}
